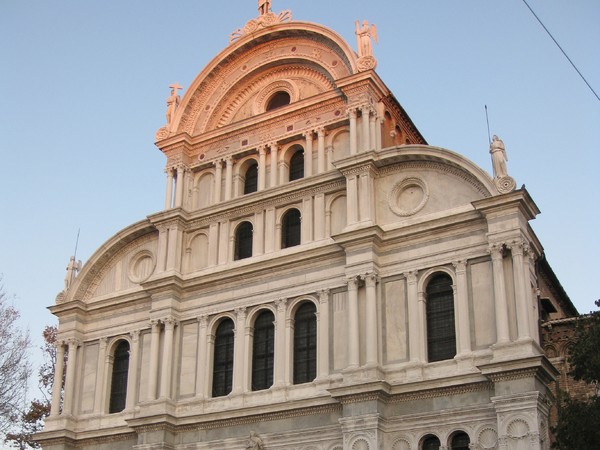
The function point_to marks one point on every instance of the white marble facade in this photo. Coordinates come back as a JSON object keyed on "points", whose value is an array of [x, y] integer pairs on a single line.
{"points": [[382, 214]]}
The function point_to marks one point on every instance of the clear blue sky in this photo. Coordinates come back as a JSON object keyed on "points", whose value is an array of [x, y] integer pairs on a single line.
{"points": [[84, 83]]}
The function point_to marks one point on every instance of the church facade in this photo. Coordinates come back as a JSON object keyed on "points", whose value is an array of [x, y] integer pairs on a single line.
{"points": [[320, 277]]}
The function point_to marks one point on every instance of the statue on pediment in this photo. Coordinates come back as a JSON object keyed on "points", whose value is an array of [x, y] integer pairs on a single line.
{"points": [[364, 35], [264, 7], [72, 269], [499, 158], [173, 103]]}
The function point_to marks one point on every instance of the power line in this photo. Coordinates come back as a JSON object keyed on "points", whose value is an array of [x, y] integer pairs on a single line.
{"points": [[563, 52]]}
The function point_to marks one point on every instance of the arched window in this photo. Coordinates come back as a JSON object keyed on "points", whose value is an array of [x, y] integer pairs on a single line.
{"points": [[460, 441], [305, 343], [243, 241], [441, 335], [430, 442], [118, 385], [277, 100], [290, 228], [263, 351], [223, 359], [297, 165], [251, 179]]}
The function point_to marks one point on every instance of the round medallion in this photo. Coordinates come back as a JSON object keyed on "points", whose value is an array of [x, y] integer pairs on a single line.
{"points": [[141, 266], [408, 197]]}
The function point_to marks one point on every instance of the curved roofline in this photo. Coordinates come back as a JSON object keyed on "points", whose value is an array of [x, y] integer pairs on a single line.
{"points": [[103, 254], [432, 152], [258, 37]]}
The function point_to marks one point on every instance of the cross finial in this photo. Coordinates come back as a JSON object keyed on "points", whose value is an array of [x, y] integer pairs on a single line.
{"points": [[264, 7], [175, 87]]}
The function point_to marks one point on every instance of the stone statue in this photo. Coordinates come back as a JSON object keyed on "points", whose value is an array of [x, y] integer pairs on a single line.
{"points": [[172, 102], [499, 158], [254, 442], [264, 7], [364, 34], [72, 268]]}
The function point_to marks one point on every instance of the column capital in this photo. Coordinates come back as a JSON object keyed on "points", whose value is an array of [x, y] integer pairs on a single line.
{"points": [[217, 162], [320, 131], [352, 283], [135, 335], [203, 321], [308, 133], [169, 170], [103, 341], [73, 342], [154, 324], [262, 150], [518, 247], [496, 250], [229, 160], [280, 303], [411, 276], [323, 296], [352, 112], [370, 278], [460, 266], [240, 313], [170, 322]]}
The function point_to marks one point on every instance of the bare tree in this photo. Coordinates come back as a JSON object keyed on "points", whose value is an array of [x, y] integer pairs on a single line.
{"points": [[15, 366]]}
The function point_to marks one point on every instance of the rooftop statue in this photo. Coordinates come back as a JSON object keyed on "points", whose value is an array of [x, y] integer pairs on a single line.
{"points": [[266, 18], [173, 103], [364, 34], [72, 269], [264, 7], [503, 182]]}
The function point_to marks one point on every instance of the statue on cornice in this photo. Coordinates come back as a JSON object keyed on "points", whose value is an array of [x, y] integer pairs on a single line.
{"points": [[254, 442], [72, 269], [264, 7], [173, 103], [364, 34], [504, 183]]}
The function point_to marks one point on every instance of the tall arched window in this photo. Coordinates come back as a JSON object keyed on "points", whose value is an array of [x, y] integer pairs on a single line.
{"points": [[305, 343], [263, 351], [297, 165], [120, 371], [430, 442], [441, 334], [243, 241], [251, 179], [460, 441], [223, 359], [290, 228]]}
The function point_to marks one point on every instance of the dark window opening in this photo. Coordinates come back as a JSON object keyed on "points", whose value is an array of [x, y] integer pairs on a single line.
{"points": [[460, 441], [263, 351], [441, 334], [251, 179], [297, 165], [305, 343], [223, 359], [431, 443], [243, 241], [278, 100], [290, 228], [120, 371]]}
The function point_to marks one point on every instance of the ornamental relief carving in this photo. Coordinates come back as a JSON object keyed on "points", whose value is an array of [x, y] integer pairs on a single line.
{"points": [[408, 196]]}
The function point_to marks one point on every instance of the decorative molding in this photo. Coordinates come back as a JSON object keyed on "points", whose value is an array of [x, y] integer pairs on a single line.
{"points": [[262, 21], [412, 186]]}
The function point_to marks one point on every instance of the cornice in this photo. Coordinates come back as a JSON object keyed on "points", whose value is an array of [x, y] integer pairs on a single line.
{"points": [[519, 199]]}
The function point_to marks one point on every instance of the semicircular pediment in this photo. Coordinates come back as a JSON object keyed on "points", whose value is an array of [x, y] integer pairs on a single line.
{"points": [[228, 81]]}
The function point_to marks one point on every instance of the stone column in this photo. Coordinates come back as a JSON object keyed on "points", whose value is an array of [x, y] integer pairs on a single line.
{"points": [[517, 249], [319, 217], [100, 377], [306, 221], [273, 174], [173, 248], [72, 345], [353, 327], [323, 335], [378, 123], [218, 179], [366, 200], [414, 329], [239, 368], [132, 381], [167, 358], [280, 347], [308, 153], [228, 177], [371, 319], [179, 186], [270, 235], [203, 363], [154, 349], [372, 132], [353, 132], [213, 244], [422, 313], [461, 297], [351, 199], [58, 377], [169, 194], [223, 242], [262, 168], [500, 304], [161, 257], [321, 150], [329, 151], [258, 235], [366, 134]]}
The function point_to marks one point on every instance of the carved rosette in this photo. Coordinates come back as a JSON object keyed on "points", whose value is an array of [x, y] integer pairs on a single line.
{"points": [[161, 134], [505, 185], [365, 63]]}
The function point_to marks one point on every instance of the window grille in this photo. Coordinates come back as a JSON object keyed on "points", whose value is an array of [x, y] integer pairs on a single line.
{"points": [[290, 229], [441, 334], [120, 371], [223, 359], [263, 351], [243, 241], [251, 179], [305, 343], [297, 165]]}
